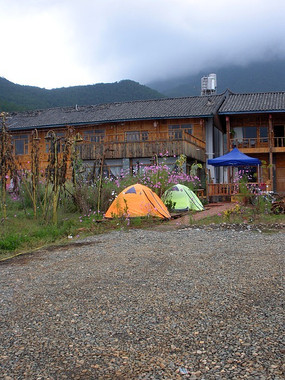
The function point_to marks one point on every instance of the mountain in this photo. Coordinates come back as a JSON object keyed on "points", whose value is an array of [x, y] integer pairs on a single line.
{"points": [[256, 77], [15, 97]]}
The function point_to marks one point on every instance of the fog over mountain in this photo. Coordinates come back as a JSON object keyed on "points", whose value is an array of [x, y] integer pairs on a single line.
{"points": [[63, 43], [255, 77]]}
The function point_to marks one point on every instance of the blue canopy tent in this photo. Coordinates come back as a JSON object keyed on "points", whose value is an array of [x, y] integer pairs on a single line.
{"points": [[234, 158]]}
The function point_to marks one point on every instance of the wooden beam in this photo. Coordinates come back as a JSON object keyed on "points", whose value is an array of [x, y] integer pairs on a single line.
{"points": [[271, 140], [228, 127]]}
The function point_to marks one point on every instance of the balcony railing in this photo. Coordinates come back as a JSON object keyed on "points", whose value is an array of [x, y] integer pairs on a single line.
{"points": [[261, 142], [176, 135], [279, 142], [143, 144], [229, 189], [222, 189]]}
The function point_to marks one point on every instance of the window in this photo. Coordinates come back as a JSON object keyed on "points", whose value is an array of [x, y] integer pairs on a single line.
{"points": [[175, 130], [263, 132], [187, 128], [21, 144], [250, 135], [132, 136], [95, 135], [145, 136], [60, 143], [249, 132]]}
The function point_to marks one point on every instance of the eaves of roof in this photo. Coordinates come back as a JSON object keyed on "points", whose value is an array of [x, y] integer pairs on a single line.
{"points": [[45, 126], [253, 103], [250, 112]]}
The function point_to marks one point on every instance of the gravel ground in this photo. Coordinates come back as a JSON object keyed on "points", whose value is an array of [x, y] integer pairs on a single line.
{"points": [[146, 304]]}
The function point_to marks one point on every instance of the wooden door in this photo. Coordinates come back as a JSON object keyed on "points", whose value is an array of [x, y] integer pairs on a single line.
{"points": [[280, 173], [280, 180]]}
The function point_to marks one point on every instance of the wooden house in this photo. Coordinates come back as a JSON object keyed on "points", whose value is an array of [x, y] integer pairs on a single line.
{"points": [[255, 124], [129, 135], [126, 134]]}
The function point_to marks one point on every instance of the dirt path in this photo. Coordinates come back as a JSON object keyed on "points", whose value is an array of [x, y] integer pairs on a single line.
{"points": [[210, 210]]}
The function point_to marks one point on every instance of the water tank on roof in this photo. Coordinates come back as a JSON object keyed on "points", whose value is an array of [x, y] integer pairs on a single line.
{"points": [[209, 84]]}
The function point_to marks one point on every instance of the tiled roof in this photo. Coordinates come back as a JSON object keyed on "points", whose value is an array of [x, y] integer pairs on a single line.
{"points": [[255, 102], [202, 106]]}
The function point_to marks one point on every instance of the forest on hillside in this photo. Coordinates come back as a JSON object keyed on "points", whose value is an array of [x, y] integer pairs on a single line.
{"points": [[15, 97], [256, 77]]}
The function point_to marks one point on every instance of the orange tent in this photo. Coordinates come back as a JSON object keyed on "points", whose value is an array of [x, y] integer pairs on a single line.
{"points": [[137, 200]]}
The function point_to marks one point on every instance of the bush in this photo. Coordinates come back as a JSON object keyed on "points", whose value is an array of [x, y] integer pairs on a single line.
{"points": [[11, 242]]}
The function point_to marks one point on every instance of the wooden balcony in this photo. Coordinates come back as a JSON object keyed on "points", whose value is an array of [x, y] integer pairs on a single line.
{"points": [[145, 145], [251, 143], [259, 145], [279, 142]]}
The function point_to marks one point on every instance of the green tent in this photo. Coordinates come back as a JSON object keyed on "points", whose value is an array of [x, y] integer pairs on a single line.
{"points": [[183, 197]]}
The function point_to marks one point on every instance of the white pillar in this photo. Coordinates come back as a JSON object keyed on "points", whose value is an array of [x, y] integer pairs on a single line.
{"points": [[210, 146]]}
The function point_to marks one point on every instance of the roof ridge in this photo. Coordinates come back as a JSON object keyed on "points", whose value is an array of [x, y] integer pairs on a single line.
{"points": [[157, 99], [258, 93]]}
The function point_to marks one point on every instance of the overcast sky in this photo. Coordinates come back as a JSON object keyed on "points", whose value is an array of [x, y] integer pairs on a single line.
{"points": [[60, 43]]}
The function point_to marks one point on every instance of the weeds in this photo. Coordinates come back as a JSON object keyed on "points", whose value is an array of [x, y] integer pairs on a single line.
{"points": [[243, 214], [46, 206], [7, 165]]}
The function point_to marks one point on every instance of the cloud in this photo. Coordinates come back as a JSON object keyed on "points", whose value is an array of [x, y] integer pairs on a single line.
{"points": [[55, 43]]}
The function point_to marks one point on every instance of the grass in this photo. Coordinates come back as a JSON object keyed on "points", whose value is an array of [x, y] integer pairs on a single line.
{"points": [[20, 232], [242, 214]]}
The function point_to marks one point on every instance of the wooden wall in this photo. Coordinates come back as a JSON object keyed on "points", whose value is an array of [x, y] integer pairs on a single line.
{"points": [[150, 126], [112, 130], [272, 152], [256, 120]]}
